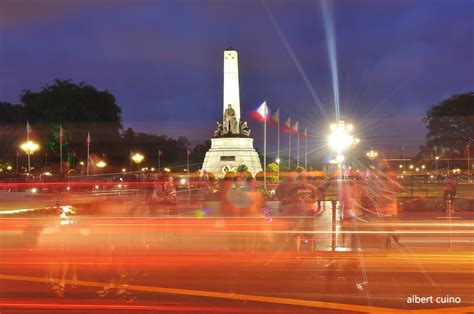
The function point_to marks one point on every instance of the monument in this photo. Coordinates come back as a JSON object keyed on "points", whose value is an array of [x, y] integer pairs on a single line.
{"points": [[231, 145]]}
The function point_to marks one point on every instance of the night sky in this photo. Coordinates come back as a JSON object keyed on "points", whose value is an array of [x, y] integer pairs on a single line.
{"points": [[163, 60]]}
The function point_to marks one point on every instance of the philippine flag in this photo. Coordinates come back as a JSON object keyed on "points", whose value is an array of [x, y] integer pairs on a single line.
{"points": [[261, 114]]}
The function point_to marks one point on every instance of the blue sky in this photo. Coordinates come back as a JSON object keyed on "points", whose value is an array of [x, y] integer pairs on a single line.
{"points": [[163, 60]]}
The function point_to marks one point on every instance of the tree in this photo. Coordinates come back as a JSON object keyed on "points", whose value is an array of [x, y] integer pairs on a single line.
{"points": [[198, 154], [79, 108], [273, 167], [450, 123], [12, 129], [173, 151]]}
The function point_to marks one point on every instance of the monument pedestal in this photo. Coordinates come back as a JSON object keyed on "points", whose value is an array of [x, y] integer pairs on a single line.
{"points": [[227, 153]]}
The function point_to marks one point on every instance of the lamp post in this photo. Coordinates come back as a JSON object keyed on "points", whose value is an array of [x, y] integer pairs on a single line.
{"points": [[29, 147], [340, 139], [278, 170], [137, 158], [372, 154]]}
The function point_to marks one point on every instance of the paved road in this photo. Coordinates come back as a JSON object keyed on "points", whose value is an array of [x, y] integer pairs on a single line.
{"points": [[199, 262]]}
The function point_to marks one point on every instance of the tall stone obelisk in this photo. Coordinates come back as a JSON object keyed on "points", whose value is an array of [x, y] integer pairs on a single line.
{"points": [[231, 145], [231, 82]]}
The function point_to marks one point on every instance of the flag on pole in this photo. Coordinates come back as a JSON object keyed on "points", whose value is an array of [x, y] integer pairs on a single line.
{"points": [[188, 151], [304, 134], [295, 128], [287, 125], [261, 114], [61, 134], [28, 130], [275, 118]]}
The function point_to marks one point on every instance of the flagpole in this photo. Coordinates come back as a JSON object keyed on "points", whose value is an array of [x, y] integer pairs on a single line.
{"points": [[468, 163], [61, 149], [289, 146], [88, 151], [298, 148], [306, 149], [189, 185], [278, 145], [159, 161], [28, 140], [265, 148]]}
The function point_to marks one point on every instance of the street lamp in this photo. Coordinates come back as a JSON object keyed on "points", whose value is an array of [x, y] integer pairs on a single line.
{"points": [[278, 160], [340, 138], [372, 154], [411, 167], [29, 147], [101, 164], [137, 158]]}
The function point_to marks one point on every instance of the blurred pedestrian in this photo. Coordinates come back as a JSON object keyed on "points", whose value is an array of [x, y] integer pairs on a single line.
{"points": [[300, 203], [349, 196], [449, 190]]}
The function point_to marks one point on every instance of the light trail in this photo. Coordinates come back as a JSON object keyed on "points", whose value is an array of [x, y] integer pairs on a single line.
{"points": [[295, 60], [332, 52]]}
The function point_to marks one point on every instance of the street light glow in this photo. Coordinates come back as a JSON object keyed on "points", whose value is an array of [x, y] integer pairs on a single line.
{"points": [[340, 138], [138, 158], [277, 160], [372, 154], [29, 147], [101, 164]]}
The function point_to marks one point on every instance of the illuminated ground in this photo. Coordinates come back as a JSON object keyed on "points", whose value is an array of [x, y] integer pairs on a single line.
{"points": [[200, 262]]}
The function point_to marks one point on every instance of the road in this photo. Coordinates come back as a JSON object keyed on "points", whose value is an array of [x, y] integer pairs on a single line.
{"points": [[199, 262]]}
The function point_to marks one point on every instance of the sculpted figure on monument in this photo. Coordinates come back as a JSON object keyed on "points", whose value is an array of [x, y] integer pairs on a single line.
{"points": [[244, 128], [219, 130], [231, 124]]}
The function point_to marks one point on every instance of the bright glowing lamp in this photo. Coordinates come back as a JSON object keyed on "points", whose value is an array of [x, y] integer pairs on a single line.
{"points": [[138, 158], [29, 147]]}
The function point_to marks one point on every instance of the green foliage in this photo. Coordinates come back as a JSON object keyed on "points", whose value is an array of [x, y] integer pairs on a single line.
{"points": [[273, 167], [242, 168], [450, 123], [80, 108], [173, 151]]}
